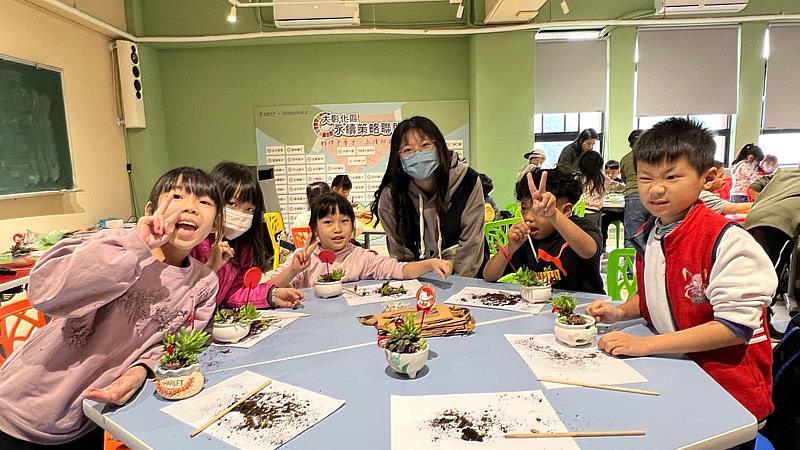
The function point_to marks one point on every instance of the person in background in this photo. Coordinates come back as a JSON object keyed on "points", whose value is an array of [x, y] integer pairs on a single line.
{"points": [[612, 170], [342, 185], [595, 185], [489, 205], [744, 170], [713, 201], [313, 192], [535, 159], [431, 204], [635, 213], [569, 155], [768, 165]]}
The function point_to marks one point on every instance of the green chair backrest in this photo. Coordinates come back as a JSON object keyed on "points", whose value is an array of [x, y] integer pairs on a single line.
{"points": [[513, 208], [508, 278], [497, 233], [579, 208], [621, 273]]}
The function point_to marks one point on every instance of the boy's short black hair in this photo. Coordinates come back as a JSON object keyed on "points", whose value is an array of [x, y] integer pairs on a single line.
{"points": [[612, 164], [327, 204], [674, 138], [563, 184], [342, 182]]}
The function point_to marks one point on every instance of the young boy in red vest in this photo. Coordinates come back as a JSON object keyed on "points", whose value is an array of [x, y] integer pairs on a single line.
{"points": [[704, 283]]}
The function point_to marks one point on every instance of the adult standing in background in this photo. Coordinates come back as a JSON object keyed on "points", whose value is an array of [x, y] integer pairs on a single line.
{"points": [[430, 203], [535, 159], [635, 213], [570, 154]]}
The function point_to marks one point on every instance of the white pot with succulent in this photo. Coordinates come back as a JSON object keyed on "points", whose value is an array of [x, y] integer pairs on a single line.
{"points": [[232, 325], [533, 288], [405, 349], [329, 284], [572, 329]]}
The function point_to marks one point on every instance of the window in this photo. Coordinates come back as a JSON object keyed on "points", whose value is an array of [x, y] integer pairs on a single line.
{"points": [[553, 132], [720, 124], [782, 144]]}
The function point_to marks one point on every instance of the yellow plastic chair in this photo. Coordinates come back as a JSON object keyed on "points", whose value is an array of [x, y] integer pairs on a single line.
{"points": [[274, 222]]}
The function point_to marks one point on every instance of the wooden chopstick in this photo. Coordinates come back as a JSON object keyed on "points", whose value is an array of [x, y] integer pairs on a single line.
{"points": [[598, 386], [351, 291], [229, 409], [575, 434], [533, 249]]}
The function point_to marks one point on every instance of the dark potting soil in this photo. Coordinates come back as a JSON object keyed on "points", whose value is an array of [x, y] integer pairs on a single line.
{"points": [[576, 319], [267, 409], [471, 429], [497, 299]]}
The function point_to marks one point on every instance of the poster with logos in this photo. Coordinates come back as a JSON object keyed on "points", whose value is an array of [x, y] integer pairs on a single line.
{"points": [[309, 143]]}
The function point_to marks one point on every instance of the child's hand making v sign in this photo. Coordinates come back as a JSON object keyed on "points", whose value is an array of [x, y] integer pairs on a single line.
{"points": [[300, 262]]}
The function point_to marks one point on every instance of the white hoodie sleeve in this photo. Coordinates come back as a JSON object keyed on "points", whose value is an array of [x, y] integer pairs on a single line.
{"points": [[742, 280]]}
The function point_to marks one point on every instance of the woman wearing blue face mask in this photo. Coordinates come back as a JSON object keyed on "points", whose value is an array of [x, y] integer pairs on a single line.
{"points": [[430, 204]]}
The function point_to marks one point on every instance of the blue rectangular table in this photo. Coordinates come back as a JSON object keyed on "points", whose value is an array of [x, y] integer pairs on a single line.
{"points": [[331, 353]]}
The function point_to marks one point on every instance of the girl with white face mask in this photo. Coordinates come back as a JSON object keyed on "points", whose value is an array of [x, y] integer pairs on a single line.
{"points": [[244, 243], [430, 203]]}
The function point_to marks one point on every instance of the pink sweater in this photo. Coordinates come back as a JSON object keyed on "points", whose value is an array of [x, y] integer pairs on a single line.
{"points": [[232, 292], [113, 301], [359, 264]]}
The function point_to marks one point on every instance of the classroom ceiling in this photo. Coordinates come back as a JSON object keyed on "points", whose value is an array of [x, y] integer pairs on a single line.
{"points": [[160, 18]]}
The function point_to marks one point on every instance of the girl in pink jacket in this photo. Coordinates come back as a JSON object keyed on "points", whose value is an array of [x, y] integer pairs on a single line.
{"points": [[112, 297], [244, 243], [332, 218]]}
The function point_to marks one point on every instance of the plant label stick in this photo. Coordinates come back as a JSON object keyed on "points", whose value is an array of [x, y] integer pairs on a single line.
{"points": [[251, 279], [426, 297]]}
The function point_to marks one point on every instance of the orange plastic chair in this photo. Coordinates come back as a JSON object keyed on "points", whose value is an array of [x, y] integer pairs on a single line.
{"points": [[300, 236], [109, 443], [274, 222], [18, 320]]}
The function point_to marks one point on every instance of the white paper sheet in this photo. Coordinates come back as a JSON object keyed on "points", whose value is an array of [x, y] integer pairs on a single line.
{"points": [[550, 359], [259, 332], [465, 298], [306, 409], [435, 421], [372, 295]]}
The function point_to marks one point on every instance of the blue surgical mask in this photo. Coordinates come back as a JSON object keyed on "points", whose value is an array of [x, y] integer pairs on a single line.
{"points": [[420, 165]]}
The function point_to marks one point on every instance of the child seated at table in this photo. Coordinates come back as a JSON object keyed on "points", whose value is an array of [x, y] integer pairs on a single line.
{"points": [[703, 282], [714, 202], [332, 218], [563, 241]]}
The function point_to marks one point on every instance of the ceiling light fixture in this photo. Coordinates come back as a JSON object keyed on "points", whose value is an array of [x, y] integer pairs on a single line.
{"points": [[232, 15], [564, 7]]}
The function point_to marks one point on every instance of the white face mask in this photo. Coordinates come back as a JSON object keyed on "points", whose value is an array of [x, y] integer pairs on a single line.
{"points": [[236, 223]]}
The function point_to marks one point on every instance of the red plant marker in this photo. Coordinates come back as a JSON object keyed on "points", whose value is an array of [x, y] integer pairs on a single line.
{"points": [[426, 297], [328, 257], [251, 279]]}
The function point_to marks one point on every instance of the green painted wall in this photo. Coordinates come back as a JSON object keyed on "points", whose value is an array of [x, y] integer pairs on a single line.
{"points": [[501, 106], [147, 147], [752, 73], [621, 88], [209, 94]]}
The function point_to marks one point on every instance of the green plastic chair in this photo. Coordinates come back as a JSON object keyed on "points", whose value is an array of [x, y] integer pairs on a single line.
{"points": [[579, 208], [621, 274], [497, 233], [619, 231], [513, 208]]}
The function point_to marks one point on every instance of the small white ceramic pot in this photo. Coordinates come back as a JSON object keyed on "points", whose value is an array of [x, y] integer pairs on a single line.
{"points": [[328, 290], [407, 363], [180, 383], [576, 335], [230, 332], [536, 294]]}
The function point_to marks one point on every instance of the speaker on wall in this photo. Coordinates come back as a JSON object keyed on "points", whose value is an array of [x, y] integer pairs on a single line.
{"points": [[130, 83]]}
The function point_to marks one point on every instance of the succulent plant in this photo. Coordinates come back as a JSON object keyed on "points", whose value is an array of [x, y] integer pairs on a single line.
{"points": [[406, 336], [181, 348]]}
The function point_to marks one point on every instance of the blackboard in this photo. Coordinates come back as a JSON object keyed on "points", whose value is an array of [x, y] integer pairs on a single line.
{"points": [[34, 143]]}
